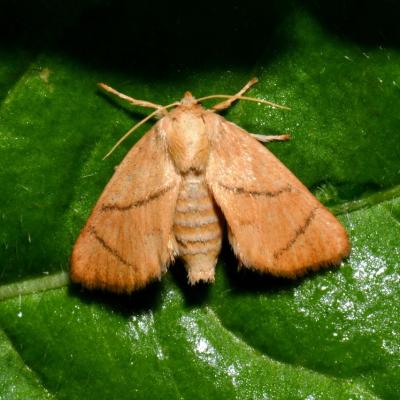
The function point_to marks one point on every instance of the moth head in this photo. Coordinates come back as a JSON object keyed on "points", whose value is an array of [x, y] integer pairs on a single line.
{"points": [[188, 99], [188, 102]]}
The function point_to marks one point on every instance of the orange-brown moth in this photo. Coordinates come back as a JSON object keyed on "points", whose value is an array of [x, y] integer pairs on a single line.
{"points": [[175, 189]]}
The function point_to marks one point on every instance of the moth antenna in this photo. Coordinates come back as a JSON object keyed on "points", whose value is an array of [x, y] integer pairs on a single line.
{"points": [[136, 102], [253, 99], [270, 138], [153, 114], [227, 103]]}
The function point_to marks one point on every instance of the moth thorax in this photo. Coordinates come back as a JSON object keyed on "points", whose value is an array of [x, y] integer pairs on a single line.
{"points": [[187, 141]]}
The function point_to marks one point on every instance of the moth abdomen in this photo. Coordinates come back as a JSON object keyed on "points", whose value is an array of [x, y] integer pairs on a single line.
{"points": [[197, 229]]}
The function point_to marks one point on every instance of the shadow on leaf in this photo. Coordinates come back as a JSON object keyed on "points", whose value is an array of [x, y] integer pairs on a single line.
{"points": [[242, 280], [138, 302], [194, 295]]}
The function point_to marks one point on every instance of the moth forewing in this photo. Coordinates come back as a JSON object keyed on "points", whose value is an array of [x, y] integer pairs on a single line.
{"points": [[125, 242], [276, 225]]}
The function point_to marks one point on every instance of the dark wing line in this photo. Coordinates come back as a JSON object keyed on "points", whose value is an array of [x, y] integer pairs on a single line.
{"points": [[107, 247], [241, 190], [299, 231], [139, 203]]}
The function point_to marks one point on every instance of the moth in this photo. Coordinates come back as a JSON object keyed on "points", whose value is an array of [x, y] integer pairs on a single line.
{"points": [[192, 176]]}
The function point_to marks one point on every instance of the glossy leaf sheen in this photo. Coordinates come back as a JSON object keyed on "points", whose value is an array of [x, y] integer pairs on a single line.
{"points": [[329, 335]]}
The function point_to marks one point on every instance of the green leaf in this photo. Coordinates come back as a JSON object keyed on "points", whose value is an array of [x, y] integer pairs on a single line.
{"points": [[330, 335]]}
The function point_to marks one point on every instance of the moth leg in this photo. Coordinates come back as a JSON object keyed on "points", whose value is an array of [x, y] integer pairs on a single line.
{"points": [[270, 138], [136, 102], [227, 103]]}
